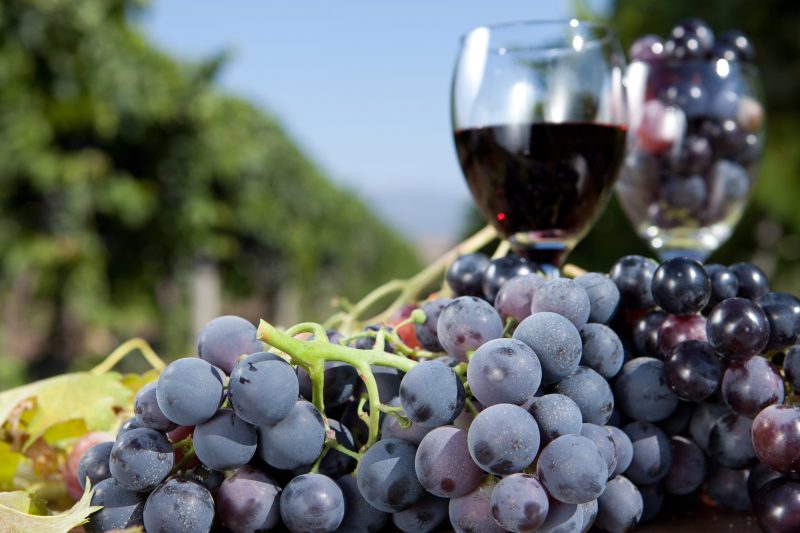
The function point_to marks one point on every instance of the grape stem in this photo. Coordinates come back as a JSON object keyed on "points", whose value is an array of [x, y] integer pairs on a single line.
{"points": [[312, 355], [407, 290], [124, 350]]}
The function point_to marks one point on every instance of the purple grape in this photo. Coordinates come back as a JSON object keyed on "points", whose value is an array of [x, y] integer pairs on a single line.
{"points": [[645, 333], [777, 506], [703, 419], [565, 297], [140, 459], [730, 443], [728, 487], [262, 392], [94, 464], [681, 286], [504, 371], [515, 296], [633, 275], [693, 371], [691, 38], [686, 193], [120, 508], [556, 415], [677, 329], [753, 283], [519, 503], [555, 341], [225, 339], [603, 296], [678, 421], [443, 463], [431, 394], [750, 385], [620, 506], [225, 441], [426, 332], [647, 48], [248, 501], [760, 475], [606, 445], [776, 438], [724, 284], [295, 441], [465, 274], [572, 469], [737, 328], [422, 517], [179, 506], [386, 476], [359, 516], [391, 428], [312, 502], [694, 156], [466, 323], [734, 45], [642, 392], [503, 439], [652, 454], [783, 314], [602, 350], [148, 414], [653, 499], [688, 468], [473, 513], [791, 366], [563, 517], [624, 448], [501, 270], [591, 392]]}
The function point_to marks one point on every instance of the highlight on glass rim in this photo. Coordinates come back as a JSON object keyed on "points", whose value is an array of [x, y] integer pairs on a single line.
{"points": [[377, 267]]}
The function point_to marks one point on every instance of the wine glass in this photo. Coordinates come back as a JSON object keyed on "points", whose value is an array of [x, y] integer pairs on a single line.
{"points": [[539, 118], [696, 136]]}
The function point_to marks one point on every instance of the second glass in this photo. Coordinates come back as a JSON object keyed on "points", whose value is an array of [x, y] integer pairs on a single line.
{"points": [[539, 117]]}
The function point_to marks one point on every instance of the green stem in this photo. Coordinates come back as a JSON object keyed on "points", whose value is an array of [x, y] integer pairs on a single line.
{"points": [[182, 443], [470, 407], [316, 371], [343, 449], [409, 290], [309, 352], [188, 455], [323, 453], [125, 349], [374, 402], [511, 323]]}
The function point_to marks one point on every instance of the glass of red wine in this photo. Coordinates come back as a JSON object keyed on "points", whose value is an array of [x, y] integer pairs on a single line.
{"points": [[539, 116]]}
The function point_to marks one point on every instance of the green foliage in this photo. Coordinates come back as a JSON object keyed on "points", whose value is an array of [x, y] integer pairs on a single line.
{"points": [[121, 169]]}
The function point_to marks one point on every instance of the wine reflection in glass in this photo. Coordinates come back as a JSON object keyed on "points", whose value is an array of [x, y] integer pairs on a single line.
{"points": [[539, 118]]}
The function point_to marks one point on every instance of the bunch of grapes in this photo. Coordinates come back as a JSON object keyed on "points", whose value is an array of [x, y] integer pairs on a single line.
{"points": [[509, 401]]}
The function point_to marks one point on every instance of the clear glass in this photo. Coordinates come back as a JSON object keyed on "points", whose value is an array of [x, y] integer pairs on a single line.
{"points": [[697, 132], [539, 120]]}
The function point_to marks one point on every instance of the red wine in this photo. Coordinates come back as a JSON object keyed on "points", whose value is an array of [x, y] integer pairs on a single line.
{"points": [[546, 181]]}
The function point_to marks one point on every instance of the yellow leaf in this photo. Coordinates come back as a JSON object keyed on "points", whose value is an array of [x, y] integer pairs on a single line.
{"points": [[14, 520], [82, 395], [9, 461], [69, 430], [136, 381]]}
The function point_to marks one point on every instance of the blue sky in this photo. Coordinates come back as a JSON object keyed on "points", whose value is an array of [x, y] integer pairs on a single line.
{"points": [[361, 85]]}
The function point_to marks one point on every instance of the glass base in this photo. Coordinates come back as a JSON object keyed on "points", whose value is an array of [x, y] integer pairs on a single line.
{"points": [[549, 254], [696, 243]]}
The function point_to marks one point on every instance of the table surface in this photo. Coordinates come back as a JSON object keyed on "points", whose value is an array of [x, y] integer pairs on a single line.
{"points": [[705, 521]]}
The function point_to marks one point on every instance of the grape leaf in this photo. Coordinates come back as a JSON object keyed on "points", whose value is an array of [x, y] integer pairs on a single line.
{"points": [[14, 517], [9, 461], [77, 396]]}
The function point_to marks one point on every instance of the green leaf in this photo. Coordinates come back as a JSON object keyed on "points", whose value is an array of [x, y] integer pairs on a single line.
{"points": [[78, 396], [15, 517]]}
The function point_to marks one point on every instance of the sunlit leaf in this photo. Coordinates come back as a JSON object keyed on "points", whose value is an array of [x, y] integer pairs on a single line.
{"points": [[83, 396], [9, 462], [15, 516]]}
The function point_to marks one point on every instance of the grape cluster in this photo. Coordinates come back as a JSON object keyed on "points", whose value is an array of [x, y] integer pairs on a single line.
{"points": [[697, 131], [510, 401]]}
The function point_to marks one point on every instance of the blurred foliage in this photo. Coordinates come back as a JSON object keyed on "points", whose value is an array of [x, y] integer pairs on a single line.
{"points": [[122, 168]]}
